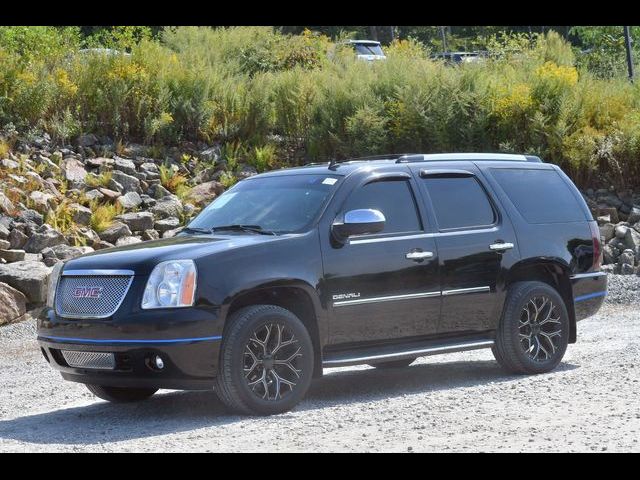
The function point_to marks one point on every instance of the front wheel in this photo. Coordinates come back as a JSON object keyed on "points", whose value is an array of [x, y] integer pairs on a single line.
{"points": [[266, 361], [534, 330], [121, 394]]}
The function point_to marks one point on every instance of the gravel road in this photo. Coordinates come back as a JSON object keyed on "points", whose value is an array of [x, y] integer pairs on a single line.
{"points": [[454, 402]]}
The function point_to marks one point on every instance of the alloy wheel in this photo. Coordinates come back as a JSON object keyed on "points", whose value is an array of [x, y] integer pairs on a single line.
{"points": [[540, 328]]}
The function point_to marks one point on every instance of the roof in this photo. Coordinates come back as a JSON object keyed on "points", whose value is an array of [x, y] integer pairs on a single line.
{"points": [[347, 166]]}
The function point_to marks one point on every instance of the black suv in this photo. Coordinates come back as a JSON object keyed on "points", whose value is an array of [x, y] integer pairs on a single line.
{"points": [[375, 261]]}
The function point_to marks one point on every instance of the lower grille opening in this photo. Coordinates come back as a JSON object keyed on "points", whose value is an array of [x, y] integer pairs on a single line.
{"points": [[94, 360]]}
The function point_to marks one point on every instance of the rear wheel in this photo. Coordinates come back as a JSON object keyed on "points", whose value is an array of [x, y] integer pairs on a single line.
{"points": [[534, 329], [121, 394], [405, 362], [266, 361]]}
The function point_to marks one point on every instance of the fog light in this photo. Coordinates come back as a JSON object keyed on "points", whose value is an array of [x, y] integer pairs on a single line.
{"points": [[158, 362]]}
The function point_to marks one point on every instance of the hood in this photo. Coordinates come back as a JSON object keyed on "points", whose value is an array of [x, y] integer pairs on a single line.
{"points": [[143, 257]]}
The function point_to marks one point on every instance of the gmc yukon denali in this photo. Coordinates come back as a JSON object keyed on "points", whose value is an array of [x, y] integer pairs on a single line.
{"points": [[371, 261]]}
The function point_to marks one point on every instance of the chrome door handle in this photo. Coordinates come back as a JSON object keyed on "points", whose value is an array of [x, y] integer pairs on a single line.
{"points": [[419, 255], [500, 247]]}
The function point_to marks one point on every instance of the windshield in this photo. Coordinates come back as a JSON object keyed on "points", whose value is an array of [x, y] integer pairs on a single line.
{"points": [[280, 204], [368, 49]]}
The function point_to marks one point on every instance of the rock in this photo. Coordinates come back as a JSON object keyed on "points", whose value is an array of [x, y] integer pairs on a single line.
{"points": [[9, 164], [612, 212], [634, 215], [166, 224], [210, 154], [122, 241], [138, 221], [627, 257], [4, 232], [246, 172], [149, 167], [110, 194], [604, 219], [607, 231], [620, 231], [73, 171], [115, 186], [206, 192], [51, 261], [65, 252], [114, 232], [6, 206], [4, 244], [169, 206], [43, 201], [160, 192], [11, 255], [17, 239], [13, 304], [632, 240], [30, 217], [130, 200], [28, 277], [172, 233], [99, 162], [43, 238], [129, 182], [626, 269], [94, 194], [147, 201], [124, 165], [80, 213], [87, 140], [88, 235], [101, 245], [150, 235]]}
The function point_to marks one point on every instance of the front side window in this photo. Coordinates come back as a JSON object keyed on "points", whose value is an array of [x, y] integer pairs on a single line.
{"points": [[394, 198], [459, 202], [280, 204]]}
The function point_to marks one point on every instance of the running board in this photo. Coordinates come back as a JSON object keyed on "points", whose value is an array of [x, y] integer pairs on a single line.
{"points": [[397, 352]]}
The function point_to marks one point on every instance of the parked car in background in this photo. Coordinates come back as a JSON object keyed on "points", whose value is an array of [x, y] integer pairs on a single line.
{"points": [[369, 50], [460, 57]]}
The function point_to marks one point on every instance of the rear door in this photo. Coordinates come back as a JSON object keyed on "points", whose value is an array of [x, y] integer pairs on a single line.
{"points": [[476, 243]]}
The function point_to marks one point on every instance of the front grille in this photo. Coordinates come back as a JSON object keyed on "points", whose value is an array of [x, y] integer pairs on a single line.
{"points": [[91, 296], [97, 360]]}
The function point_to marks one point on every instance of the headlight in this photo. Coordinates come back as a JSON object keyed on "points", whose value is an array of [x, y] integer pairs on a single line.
{"points": [[53, 283], [171, 284]]}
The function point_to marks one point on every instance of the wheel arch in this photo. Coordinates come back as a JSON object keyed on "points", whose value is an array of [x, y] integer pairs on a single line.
{"points": [[553, 273], [297, 297]]}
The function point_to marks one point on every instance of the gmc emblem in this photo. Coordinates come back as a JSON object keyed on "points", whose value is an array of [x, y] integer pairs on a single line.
{"points": [[87, 292]]}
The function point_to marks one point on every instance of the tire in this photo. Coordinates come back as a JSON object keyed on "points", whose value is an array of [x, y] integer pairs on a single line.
{"points": [[405, 362], [250, 380], [121, 394], [534, 329]]}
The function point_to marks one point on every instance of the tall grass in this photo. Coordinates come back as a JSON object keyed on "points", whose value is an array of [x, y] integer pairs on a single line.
{"points": [[253, 86]]}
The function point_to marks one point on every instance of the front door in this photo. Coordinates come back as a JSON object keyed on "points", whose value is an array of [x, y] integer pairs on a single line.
{"points": [[383, 286]]}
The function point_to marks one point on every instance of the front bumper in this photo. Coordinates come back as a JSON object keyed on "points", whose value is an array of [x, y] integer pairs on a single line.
{"points": [[589, 291], [188, 341]]}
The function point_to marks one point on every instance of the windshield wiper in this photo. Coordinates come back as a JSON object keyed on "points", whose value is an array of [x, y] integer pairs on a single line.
{"points": [[197, 230], [244, 228]]}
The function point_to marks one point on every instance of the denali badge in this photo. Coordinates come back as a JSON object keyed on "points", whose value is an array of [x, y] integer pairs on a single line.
{"points": [[345, 296], [87, 292]]}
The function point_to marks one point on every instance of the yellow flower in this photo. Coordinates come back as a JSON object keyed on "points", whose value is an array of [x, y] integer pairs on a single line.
{"points": [[558, 73], [514, 99]]}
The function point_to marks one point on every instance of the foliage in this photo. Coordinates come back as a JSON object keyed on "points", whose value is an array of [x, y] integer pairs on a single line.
{"points": [[102, 215], [171, 179]]}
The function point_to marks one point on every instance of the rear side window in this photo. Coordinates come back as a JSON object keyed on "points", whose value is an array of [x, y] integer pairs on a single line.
{"points": [[394, 199], [541, 196], [459, 202]]}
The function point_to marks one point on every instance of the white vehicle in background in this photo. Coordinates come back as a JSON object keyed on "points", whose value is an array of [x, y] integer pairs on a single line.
{"points": [[369, 50]]}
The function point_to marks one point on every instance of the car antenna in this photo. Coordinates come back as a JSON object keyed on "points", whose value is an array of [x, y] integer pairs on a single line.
{"points": [[333, 164]]}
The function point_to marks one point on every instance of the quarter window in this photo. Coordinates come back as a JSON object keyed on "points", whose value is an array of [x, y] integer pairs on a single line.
{"points": [[459, 202], [394, 198]]}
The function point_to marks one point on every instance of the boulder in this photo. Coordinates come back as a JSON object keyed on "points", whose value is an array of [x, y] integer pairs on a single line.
{"points": [[30, 217], [169, 206], [28, 277], [102, 245], [172, 233], [10, 255], [138, 221], [17, 239], [13, 304], [94, 194], [122, 241], [87, 140], [99, 162], [4, 232], [4, 244], [124, 165], [43, 238], [80, 213], [129, 182], [160, 192], [607, 231], [627, 257], [150, 235], [149, 167], [65, 252], [167, 224], [88, 235], [130, 200], [73, 171], [6, 205], [110, 194], [114, 232], [626, 269], [632, 240], [205, 192], [634, 215], [612, 212]]}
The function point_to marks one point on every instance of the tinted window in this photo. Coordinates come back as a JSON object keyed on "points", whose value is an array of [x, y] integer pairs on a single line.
{"points": [[541, 196], [459, 202], [394, 199]]}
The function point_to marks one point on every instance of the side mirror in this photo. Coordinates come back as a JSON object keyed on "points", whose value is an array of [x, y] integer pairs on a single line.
{"points": [[358, 222]]}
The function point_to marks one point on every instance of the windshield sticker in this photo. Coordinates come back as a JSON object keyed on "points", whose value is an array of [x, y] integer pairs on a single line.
{"points": [[329, 181]]}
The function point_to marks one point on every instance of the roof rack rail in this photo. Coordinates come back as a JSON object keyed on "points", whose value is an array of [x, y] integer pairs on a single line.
{"points": [[390, 156], [474, 157]]}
